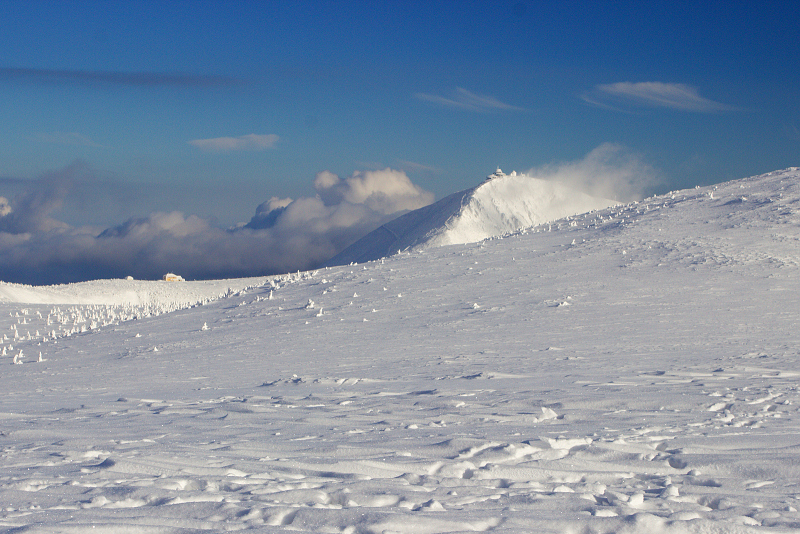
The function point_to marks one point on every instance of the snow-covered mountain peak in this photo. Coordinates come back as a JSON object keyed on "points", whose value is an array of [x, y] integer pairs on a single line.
{"points": [[508, 202], [503, 203]]}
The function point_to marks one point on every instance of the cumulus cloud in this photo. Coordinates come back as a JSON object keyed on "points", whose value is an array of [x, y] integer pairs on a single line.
{"points": [[243, 142], [653, 94], [609, 171], [311, 230], [284, 235], [385, 191], [467, 100]]}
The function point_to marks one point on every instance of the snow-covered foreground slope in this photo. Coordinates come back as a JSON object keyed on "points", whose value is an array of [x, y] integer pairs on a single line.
{"points": [[630, 370], [500, 205]]}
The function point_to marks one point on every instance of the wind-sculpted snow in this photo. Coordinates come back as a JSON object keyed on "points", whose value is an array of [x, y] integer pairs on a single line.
{"points": [[499, 205], [630, 370]]}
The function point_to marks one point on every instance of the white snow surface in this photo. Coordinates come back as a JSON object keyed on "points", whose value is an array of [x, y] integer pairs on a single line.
{"points": [[498, 206], [631, 370], [126, 292]]}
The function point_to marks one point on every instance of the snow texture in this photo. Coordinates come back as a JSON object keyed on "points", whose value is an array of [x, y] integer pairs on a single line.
{"points": [[629, 370]]}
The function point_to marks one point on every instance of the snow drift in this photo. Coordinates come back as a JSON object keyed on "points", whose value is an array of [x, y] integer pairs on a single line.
{"points": [[503, 203]]}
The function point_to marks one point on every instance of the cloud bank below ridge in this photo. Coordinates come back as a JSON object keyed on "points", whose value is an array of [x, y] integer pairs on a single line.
{"points": [[284, 235]]}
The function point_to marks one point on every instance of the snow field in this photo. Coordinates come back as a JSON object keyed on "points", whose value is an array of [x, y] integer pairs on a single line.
{"points": [[628, 370]]}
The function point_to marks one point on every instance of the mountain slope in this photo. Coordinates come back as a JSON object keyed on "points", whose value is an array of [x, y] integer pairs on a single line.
{"points": [[501, 204], [631, 370]]}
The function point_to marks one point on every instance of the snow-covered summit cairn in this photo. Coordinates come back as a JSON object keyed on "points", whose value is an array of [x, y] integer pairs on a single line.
{"points": [[172, 277]]}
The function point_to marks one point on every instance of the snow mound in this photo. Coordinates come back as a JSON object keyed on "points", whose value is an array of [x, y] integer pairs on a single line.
{"points": [[502, 204], [125, 292]]}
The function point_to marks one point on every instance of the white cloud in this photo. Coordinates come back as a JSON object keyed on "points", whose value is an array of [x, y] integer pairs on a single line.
{"points": [[325, 180], [243, 142], [5, 207], [174, 224], [385, 191], [467, 100], [609, 171], [274, 203], [653, 94], [309, 230]]}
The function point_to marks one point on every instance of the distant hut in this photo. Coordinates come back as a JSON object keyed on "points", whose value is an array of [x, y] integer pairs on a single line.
{"points": [[172, 277], [497, 174]]}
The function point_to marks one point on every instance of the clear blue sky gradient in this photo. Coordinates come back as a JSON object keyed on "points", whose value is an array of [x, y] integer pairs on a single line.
{"points": [[702, 91]]}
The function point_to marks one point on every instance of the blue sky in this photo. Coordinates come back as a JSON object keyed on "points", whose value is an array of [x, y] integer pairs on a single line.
{"points": [[211, 108]]}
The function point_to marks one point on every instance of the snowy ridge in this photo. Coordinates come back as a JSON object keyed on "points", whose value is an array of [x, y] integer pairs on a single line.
{"points": [[632, 370], [508, 203], [502, 204]]}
